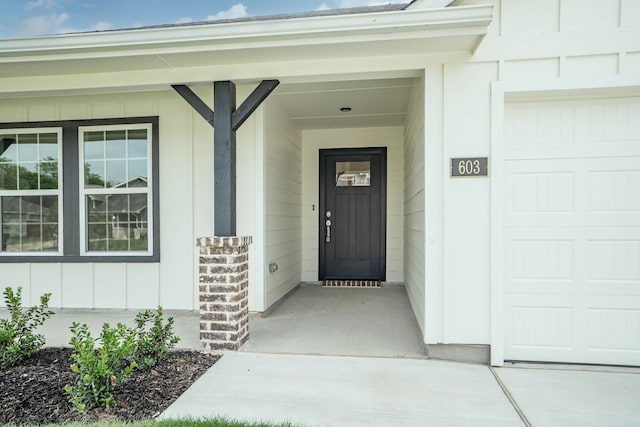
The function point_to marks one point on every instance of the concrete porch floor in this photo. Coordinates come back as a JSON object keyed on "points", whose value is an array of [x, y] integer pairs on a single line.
{"points": [[376, 322]]}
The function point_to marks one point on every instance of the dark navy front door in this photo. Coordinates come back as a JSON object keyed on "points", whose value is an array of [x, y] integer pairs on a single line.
{"points": [[352, 216]]}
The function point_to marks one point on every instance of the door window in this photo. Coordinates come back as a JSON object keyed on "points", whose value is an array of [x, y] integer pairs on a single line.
{"points": [[353, 174]]}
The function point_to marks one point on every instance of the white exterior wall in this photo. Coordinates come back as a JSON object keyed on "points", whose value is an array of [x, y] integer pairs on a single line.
{"points": [[467, 133], [314, 140], [414, 206], [534, 45], [283, 192], [186, 206]]}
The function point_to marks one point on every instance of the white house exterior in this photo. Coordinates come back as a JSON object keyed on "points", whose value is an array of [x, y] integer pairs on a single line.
{"points": [[540, 260]]}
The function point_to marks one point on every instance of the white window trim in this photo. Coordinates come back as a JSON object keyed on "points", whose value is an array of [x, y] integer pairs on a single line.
{"points": [[148, 190], [49, 192]]}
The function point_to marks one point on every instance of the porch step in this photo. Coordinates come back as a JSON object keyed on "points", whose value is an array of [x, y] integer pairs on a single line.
{"points": [[336, 283]]}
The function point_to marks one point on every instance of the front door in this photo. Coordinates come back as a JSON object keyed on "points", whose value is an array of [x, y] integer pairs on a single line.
{"points": [[352, 213]]}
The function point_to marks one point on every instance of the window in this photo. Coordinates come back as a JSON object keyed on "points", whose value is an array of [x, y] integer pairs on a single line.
{"points": [[115, 188], [30, 196], [353, 174], [93, 182]]}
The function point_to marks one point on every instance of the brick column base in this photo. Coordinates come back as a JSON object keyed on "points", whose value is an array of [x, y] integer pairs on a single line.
{"points": [[224, 283]]}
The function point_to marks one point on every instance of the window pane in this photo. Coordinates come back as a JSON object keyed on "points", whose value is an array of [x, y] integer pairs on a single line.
{"points": [[116, 173], [48, 175], [48, 146], [137, 173], [93, 145], [29, 161], [8, 148], [353, 174], [118, 222], [29, 224], [116, 144], [94, 174], [28, 147], [28, 176], [8, 176], [140, 134], [137, 149], [98, 237]]}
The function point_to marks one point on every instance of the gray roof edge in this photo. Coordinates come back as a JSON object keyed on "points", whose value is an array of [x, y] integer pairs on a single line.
{"points": [[391, 7]]}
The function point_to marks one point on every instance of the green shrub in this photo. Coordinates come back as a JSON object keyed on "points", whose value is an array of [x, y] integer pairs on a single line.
{"points": [[155, 340], [18, 339], [100, 368]]}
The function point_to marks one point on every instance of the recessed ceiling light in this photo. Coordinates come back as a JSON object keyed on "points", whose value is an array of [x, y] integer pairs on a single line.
{"points": [[345, 109]]}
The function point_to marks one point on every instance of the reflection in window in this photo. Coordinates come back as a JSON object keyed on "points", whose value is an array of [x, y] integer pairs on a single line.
{"points": [[117, 222], [29, 161], [116, 188], [115, 158], [29, 223], [353, 174], [29, 193]]}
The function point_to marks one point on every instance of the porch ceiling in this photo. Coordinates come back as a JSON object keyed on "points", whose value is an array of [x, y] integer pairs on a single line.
{"points": [[375, 102]]}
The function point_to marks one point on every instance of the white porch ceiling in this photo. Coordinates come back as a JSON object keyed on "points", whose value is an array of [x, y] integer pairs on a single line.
{"points": [[376, 102]]}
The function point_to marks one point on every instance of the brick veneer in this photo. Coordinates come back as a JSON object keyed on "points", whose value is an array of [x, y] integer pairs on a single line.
{"points": [[224, 288]]}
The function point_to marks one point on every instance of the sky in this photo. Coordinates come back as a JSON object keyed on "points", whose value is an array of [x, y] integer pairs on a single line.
{"points": [[28, 18]]}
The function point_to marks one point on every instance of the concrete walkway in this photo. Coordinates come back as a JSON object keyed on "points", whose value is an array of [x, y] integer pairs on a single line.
{"points": [[347, 391], [360, 391]]}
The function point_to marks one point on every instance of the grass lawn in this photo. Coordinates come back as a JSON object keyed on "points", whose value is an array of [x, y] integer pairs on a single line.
{"points": [[214, 422]]}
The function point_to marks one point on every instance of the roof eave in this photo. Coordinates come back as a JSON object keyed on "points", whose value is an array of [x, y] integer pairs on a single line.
{"points": [[276, 32]]}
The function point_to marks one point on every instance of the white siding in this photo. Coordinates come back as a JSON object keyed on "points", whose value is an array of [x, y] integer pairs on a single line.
{"points": [[466, 228], [435, 174], [414, 206], [283, 227], [314, 140]]}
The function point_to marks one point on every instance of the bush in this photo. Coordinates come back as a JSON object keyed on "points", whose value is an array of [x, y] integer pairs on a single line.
{"points": [[154, 341], [18, 339], [101, 368]]}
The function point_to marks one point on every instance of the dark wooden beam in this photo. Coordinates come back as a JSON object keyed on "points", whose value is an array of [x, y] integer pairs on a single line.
{"points": [[224, 154], [252, 102], [195, 101], [226, 121]]}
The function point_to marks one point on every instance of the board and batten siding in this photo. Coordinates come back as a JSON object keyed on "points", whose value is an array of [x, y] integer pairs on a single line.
{"points": [[283, 190], [540, 50], [414, 206], [186, 182], [315, 139]]}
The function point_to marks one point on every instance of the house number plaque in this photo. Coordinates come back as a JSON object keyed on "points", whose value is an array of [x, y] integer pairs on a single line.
{"points": [[470, 166]]}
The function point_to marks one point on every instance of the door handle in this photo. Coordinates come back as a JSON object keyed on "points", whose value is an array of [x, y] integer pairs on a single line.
{"points": [[327, 237]]}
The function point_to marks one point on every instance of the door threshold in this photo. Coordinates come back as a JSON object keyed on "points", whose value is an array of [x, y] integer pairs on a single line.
{"points": [[349, 283]]}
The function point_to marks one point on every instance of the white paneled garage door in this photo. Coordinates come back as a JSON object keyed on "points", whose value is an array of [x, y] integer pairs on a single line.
{"points": [[572, 231]]}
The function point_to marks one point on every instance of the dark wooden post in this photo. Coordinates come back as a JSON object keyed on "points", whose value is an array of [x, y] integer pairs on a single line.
{"points": [[224, 154]]}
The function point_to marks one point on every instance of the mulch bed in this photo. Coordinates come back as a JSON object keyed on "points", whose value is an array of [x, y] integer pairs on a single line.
{"points": [[32, 392]]}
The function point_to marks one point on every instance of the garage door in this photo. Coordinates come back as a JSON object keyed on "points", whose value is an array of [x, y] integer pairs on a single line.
{"points": [[572, 231]]}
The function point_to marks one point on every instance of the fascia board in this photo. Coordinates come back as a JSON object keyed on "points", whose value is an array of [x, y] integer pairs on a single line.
{"points": [[276, 32]]}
